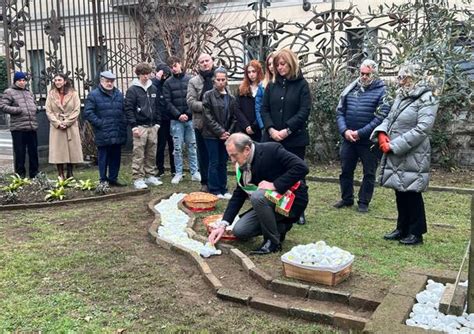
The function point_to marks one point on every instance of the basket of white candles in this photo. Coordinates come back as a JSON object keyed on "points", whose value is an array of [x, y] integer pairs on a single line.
{"points": [[318, 263]]}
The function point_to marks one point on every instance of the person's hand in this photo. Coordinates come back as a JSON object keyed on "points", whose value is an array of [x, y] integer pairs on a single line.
{"points": [[265, 185], [136, 132], [383, 138], [183, 118], [349, 135], [62, 126], [216, 234], [355, 135], [384, 147], [225, 135], [275, 134], [249, 130]]}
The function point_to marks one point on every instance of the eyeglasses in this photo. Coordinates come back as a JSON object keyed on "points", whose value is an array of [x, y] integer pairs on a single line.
{"points": [[402, 77], [251, 71], [365, 74]]}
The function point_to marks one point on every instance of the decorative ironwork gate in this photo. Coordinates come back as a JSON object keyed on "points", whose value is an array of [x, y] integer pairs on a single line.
{"points": [[83, 37], [77, 37]]}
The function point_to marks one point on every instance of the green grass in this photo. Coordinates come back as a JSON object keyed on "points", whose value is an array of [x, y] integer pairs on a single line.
{"points": [[90, 268]]}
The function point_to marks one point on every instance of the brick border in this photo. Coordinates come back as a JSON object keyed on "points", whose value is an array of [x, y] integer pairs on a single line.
{"points": [[66, 202], [340, 320]]}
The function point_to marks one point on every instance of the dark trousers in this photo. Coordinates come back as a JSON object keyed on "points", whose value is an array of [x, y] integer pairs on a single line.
{"points": [[25, 141], [164, 137], [203, 156], [217, 173], [261, 220], [411, 213], [109, 159], [350, 155]]}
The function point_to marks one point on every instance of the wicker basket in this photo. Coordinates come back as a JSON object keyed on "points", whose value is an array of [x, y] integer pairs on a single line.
{"points": [[213, 218], [200, 201], [317, 276]]}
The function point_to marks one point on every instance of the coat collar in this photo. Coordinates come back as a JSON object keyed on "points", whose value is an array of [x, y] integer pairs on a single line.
{"points": [[54, 94]]}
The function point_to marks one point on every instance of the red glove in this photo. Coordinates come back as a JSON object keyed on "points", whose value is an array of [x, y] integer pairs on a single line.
{"points": [[384, 147], [383, 138]]}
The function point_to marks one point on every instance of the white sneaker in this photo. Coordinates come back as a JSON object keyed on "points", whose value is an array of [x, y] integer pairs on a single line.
{"points": [[225, 196], [140, 184], [154, 181], [196, 177], [177, 178]]}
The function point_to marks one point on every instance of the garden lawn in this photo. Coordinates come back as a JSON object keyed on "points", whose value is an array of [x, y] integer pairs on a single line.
{"points": [[91, 267]]}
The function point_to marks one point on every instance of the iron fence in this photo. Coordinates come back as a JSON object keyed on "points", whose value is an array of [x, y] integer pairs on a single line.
{"points": [[84, 37]]}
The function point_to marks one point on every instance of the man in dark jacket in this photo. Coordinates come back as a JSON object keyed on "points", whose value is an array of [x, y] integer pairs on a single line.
{"points": [[104, 109], [141, 108], [20, 104], [361, 109], [198, 85], [175, 90], [162, 73], [263, 170]]}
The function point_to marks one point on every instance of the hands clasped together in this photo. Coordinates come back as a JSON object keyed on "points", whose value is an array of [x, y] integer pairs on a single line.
{"points": [[384, 142]]}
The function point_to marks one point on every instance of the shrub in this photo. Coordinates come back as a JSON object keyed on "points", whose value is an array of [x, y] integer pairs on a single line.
{"points": [[324, 136]]}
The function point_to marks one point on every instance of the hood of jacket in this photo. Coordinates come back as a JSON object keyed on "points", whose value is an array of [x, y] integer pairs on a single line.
{"points": [[137, 82]]}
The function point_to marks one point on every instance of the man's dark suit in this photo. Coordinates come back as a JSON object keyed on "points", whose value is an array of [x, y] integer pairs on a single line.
{"points": [[272, 163]]}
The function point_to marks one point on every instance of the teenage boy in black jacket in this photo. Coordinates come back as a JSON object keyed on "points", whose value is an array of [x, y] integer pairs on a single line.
{"points": [[141, 108]]}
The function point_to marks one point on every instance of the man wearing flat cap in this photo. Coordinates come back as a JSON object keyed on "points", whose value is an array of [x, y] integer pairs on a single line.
{"points": [[19, 102], [104, 109]]}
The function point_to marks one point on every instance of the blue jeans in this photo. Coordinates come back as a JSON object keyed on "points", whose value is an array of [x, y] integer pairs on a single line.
{"points": [[183, 132], [350, 155], [217, 175], [109, 158]]}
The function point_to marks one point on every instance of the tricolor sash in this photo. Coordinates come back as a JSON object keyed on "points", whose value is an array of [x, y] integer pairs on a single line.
{"points": [[283, 203]]}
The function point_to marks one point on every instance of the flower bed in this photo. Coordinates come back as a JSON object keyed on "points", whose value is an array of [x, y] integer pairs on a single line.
{"points": [[17, 190]]}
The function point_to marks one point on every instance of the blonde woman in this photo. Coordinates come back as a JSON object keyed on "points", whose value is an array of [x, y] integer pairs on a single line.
{"points": [[286, 106], [269, 74], [63, 107], [403, 137]]}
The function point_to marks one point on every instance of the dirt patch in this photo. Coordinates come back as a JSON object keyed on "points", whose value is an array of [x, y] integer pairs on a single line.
{"points": [[20, 234]]}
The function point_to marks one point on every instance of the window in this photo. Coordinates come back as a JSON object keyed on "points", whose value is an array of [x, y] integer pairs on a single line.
{"points": [[97, 60], [360, 42], [37, 66]]}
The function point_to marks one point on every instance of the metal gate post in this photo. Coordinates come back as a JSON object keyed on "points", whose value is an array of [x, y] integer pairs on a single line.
{"points": [[470, 285], [6, 41]]}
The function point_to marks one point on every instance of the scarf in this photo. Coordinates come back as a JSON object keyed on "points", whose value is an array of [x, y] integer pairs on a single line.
{"points": [[207, 85]]}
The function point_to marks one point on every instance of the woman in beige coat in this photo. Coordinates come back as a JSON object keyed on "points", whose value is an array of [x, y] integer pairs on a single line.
{"points": [[62, 108]]}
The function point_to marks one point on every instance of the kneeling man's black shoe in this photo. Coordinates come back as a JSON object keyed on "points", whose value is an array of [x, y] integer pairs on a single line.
{"points": [[411, 240], [394, 235], [267, 248]]}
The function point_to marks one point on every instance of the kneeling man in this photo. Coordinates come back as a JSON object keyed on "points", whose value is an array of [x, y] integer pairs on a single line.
{"points": [[270, 177]]}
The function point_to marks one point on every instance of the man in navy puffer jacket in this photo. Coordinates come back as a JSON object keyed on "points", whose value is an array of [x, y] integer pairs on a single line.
{"points": [[104, 109], [360, 110]]}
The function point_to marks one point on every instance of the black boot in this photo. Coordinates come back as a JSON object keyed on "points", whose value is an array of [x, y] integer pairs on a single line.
{"points": [[301, 220]]}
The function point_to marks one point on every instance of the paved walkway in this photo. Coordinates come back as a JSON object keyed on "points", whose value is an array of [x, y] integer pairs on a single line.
{"points": [[6, 152]]}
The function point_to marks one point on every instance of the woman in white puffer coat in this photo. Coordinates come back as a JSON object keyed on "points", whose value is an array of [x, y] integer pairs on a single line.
{"points": [[403, 137]]}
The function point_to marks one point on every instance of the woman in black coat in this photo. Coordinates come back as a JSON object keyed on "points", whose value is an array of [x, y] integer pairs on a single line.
{"points": [[286, 106], [246, 115]]}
